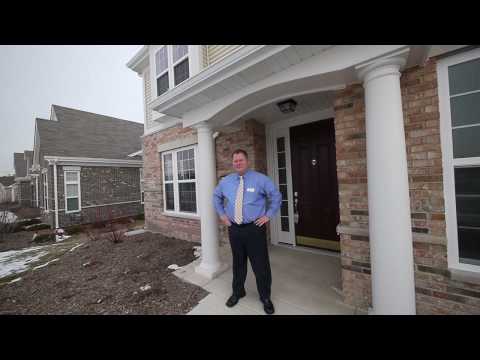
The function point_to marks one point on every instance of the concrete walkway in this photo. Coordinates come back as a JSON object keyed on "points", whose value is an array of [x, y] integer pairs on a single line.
{"points": [[304, 283]]}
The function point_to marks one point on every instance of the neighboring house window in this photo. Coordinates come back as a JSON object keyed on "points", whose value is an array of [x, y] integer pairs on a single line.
{"points": [[45, 190], [459, 90], [172, 67], [142, 192], [72, 191], [180, 180]]}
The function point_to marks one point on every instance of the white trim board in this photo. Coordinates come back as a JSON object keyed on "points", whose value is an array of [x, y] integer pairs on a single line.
{"points": [[111, 204], [84, 161]]}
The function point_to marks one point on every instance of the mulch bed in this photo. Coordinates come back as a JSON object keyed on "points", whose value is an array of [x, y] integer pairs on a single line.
{"points": [[101, 277]]}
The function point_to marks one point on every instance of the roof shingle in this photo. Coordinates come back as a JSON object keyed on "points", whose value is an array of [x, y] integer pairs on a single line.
{"points": [[79, 133]]}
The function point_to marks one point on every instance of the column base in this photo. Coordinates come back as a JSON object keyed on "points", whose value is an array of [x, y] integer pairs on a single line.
{"points": [[371, 311], [211, 272]]}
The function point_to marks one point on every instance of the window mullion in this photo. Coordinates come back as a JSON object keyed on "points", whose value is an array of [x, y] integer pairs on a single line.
{"points": [[175, 182], [171, 82]]}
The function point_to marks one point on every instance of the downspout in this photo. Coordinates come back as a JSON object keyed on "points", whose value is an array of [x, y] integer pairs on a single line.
{"points": [[36, 189], [55, 190]]}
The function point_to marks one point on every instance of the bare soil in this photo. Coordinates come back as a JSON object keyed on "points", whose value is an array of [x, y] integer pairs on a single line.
{"points": [[17, 241], [102, 277]]}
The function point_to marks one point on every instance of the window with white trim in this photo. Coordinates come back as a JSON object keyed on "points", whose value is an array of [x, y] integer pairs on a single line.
{"points": [[459, 90], [180, 181], [172, 67], [72, 191], [45, 190]]}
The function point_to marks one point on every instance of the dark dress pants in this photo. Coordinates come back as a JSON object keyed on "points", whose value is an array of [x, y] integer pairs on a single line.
{"points": [[250, 241]]}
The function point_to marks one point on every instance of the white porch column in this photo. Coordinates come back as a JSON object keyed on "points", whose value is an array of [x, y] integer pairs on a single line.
{"points": [[210, 265], [391, 249]]}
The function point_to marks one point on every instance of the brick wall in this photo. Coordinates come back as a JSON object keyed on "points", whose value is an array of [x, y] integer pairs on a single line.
{"points": [[350, 140], [436, 291], [155, 220], [250, 137]]}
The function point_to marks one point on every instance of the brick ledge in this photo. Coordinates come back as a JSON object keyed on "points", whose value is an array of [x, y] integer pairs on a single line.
{"points": [[417, 237]]}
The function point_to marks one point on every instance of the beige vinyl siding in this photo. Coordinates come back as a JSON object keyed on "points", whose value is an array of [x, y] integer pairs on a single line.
{"points": [[215, 53], [147, 94]]}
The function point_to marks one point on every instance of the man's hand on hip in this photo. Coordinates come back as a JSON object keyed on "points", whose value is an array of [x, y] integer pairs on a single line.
{"points": [[225, 220], [262, 220]]}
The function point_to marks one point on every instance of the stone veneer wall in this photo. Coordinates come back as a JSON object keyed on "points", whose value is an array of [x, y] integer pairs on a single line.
{"points": [[436, 291], [99, 186], [250, 137], [24, 195]]}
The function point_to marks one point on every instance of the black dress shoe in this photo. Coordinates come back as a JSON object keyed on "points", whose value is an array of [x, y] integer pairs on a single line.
{"points": [[268, 306], [233, 300]]}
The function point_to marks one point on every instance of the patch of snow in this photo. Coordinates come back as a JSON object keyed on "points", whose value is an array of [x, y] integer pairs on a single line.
{"points": [[197, 251], [7, 217], [145, 288], [16, 261], [135, 232], [43, 265], [59, 238], [86, 264], [174, 267], [75, 247]]}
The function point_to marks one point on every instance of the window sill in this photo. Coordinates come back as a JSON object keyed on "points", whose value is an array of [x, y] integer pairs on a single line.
{"points": [[465, 276], [180, 215]]}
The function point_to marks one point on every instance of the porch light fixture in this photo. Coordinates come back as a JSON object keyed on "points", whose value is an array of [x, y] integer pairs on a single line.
{"points": [[287, 106]]}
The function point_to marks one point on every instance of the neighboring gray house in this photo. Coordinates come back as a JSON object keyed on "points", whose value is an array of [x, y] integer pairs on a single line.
{"points": [[86, 173], [26, 183], [6, 183]]}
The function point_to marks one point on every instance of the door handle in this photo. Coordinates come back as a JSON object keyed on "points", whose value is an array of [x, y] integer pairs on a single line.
{"points": [[296, 215]]}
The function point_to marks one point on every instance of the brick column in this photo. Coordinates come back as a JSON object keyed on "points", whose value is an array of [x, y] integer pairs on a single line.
{"points": [[393, 287]]}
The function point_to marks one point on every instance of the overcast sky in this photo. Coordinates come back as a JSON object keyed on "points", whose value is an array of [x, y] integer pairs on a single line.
{"points": [[90, 78]]}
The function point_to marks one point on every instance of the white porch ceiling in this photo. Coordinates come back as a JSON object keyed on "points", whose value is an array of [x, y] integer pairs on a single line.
{"points": [[278, 62], [305, 104]]}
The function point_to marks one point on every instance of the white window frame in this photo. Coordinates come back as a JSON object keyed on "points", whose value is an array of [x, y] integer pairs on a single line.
{"points": [[186, 56], [449, 163], [45, 190], [77, 182], [193, 55], [175, 181], [167, 70]]}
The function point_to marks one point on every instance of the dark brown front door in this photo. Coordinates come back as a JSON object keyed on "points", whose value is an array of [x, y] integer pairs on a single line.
{"points": [[315, 187]]}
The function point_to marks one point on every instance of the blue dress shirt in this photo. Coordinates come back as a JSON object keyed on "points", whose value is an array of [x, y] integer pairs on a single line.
{"points": [[257, 188]]}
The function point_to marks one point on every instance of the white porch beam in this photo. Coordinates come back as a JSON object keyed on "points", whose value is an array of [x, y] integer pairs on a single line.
{"points": [[391, 249], [210, 265]]}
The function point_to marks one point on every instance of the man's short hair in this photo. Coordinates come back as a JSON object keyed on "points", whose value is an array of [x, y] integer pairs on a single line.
{"points": [[240, 151]]}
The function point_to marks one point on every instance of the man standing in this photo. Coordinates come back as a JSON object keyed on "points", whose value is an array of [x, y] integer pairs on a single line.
{"points": [[245, 213]]}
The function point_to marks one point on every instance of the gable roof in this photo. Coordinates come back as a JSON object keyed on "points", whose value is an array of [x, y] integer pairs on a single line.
{"points": [[77, 133], [7, 180], [28, 154], [19, 164]]}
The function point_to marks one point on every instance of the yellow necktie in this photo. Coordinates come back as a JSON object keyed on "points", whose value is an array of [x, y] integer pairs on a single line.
{"points": [[239, 203]]}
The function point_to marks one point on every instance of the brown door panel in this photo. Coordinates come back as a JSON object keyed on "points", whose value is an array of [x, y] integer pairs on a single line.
{"points": [[315, 179]]}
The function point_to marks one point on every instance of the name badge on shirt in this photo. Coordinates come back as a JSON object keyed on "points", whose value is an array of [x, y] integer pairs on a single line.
{"points": [[251, 189]]}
